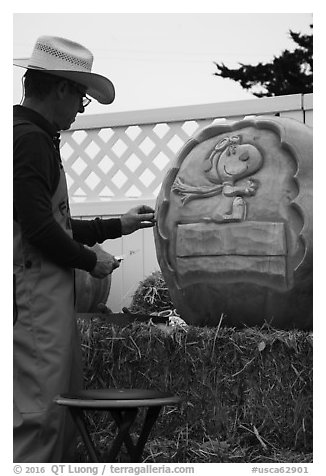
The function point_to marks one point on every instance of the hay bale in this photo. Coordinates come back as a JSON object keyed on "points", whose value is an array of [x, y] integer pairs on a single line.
{"points": [[249, 390]]}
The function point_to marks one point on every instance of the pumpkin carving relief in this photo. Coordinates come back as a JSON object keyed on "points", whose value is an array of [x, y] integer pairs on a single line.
{"points": [[234, 225]]}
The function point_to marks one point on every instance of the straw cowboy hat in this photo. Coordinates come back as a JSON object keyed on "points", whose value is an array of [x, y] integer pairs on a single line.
{"points": [[70, 60]]}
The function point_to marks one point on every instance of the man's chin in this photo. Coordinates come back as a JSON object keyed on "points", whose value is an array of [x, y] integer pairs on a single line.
{"points": [[67, 126], [73, 120]]}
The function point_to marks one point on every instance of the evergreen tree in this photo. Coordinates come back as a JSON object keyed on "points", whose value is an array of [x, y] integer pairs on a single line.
{"points": [[290, 73]]}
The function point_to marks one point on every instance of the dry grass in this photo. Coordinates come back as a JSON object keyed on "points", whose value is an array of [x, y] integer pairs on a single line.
{"points": [[152, 295]]}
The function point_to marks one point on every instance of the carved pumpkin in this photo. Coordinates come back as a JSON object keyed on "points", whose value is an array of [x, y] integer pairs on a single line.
{"points": [[234, 225], [90, 292]]}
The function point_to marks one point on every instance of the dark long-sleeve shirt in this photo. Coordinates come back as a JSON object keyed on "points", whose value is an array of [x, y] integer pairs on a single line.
{"points": [[36, 172]]}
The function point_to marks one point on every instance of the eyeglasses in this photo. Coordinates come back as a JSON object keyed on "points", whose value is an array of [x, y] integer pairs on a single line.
{"points": [[84, 99]]}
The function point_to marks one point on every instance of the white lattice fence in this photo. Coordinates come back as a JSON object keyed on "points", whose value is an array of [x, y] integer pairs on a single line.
{"points": [[122, 163], [115, 161]]}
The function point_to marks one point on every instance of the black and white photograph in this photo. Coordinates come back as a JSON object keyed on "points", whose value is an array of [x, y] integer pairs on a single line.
{"points": [[162, 243]]}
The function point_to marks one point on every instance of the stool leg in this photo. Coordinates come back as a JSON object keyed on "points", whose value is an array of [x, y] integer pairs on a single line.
{"points": [[150, 419], [77, 415], [124, 422], [118, 418]]}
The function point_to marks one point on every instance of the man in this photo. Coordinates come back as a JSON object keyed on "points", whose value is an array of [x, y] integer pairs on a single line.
{"points": [[48, 245]]}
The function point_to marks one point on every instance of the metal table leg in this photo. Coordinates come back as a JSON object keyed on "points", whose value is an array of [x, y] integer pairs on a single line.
{"points": [[118, 417], [150, 419], [135, 450], [77, 414], [124, 420]]}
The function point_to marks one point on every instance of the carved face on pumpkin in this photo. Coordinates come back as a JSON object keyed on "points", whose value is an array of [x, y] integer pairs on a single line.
{"points": [[231, 161]]}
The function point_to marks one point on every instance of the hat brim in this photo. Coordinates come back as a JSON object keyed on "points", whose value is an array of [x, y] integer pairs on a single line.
{"points": [[98, 87]]}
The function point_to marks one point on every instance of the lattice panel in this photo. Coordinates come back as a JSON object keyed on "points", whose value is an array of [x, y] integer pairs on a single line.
{"points": [[122, 162]]}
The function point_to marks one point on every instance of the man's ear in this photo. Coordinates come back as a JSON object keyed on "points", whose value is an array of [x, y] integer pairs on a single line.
{"points": [[62, 88]]}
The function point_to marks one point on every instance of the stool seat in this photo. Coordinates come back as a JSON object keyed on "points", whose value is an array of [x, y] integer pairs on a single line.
{"points": [[123, 405], [117, 398]]}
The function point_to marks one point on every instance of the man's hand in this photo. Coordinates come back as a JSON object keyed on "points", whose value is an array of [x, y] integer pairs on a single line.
{"points": [[105, 266], [136, 218]]}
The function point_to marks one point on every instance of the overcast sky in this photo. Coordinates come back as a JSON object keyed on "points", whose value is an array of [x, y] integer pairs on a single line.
{"points": [[164, 59]]}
